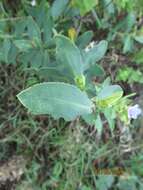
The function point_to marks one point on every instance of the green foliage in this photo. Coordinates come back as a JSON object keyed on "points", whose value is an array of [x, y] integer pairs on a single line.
{"points": [[125, 4], [95, 54], [128, 74], [128, 44], [85, 6], [139, 39], [58, 8], [57, 99], [69, 54], [105, 182], [84, 39], [5, 49], [138, 57], [52, 54]]}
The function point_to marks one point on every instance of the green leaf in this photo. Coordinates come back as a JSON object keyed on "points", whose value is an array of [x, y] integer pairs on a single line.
{"points": [[139, 39], [43, 20], [104, 182], [69, 54], [129, 183], [130, 21], [23, 45], [95, 54], [57, 170], [109, 7], [110, 115], [19, 27], [85, 188], [55, 73], [33, 30], [125, 24], [35, 58], [48, 25], [85, 6], [124, 74], [138, 57], [130, 75], [98, 124], [90, 118], [58, 7], [12, 55], [6, 49], [84, 39], [109, 95], [55, 98], [95, 70], [128, 44]]}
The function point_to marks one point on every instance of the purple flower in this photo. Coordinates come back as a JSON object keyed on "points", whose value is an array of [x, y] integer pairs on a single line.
{"points": [[134, 112]]}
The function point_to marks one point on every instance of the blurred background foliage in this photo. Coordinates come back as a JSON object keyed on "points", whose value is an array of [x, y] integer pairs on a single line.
{"points": [[63, 155]]}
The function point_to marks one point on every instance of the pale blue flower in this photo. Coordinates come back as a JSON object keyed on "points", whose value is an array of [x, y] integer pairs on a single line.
{"points": [[134, 111]]}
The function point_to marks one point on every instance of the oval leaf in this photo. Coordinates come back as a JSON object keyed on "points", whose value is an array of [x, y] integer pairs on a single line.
{"points": [[58, 7], [139, 39], [84, 39], [69, 54], [55, 98], [95, 54]]}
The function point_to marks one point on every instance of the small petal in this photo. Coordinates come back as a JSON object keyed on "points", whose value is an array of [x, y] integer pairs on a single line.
{"points": [[87, 49], [90, 46], [134, 112]]}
